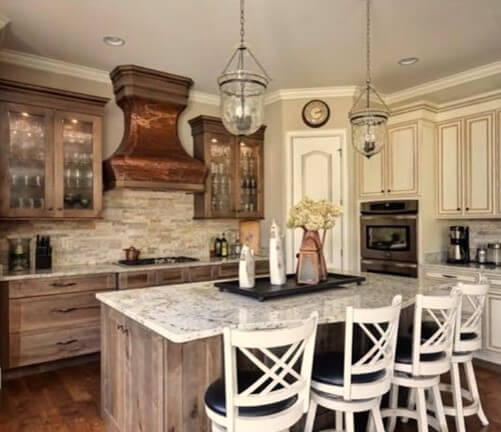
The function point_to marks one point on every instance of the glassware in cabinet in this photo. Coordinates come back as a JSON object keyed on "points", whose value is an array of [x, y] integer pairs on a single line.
{"points": [[221, 173], [79, 168], [26, 161], [249, 165]]}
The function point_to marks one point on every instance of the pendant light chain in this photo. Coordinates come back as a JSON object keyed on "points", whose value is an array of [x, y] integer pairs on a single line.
{"points": [[368, 40], [242, 23]]}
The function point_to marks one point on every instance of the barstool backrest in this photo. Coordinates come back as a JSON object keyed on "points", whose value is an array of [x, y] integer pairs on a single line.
{"points": [[284, 376], [428, 352], [380, 325], [468, 335]]}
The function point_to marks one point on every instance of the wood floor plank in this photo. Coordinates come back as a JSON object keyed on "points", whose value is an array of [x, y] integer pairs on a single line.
{"points": [[67, 400]]}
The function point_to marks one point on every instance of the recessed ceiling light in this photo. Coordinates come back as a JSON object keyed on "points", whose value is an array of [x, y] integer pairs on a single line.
{"points": [[408, 61], [114, 41]]}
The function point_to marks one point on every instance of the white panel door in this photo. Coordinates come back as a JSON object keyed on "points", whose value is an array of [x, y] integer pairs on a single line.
{"points": [[479, 159], [317, 174], [371, 175], [403, 160], [450, 189]]}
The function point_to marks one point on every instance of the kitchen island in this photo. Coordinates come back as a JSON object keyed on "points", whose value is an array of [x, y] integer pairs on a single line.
{"points": [[162, 347]]}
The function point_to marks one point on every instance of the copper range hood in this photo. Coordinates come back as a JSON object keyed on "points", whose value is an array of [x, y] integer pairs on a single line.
{"points": [[150, 155]]}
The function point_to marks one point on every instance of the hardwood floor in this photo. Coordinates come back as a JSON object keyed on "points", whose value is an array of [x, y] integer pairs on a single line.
{"points": [[67, 400]]}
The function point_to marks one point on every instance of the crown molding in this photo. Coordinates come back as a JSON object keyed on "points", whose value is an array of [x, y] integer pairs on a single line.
{"points": [[444, 83], [204, 98], [310, 93], [64, 68], [52, 65]]}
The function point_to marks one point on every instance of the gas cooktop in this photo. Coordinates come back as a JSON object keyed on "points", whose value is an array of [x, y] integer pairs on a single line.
{"points": [[157, 261]]}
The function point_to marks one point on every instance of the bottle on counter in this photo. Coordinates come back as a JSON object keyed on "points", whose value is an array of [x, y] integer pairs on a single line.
{"points": [[218, 246], [224, 247], [237, 247]]}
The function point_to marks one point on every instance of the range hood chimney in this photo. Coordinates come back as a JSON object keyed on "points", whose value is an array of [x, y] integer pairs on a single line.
{"points": [[150, 155]]}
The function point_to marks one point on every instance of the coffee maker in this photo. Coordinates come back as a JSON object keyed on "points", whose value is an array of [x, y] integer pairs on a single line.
{"points": [[459, 245]]}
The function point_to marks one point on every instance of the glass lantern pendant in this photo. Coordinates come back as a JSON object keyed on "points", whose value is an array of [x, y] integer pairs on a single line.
{"points": [[369, 115], [242, 86]]}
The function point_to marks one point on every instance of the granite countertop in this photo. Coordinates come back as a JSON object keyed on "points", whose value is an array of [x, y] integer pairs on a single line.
{"points": [[77, 270], [187, 312], [487, 268]]}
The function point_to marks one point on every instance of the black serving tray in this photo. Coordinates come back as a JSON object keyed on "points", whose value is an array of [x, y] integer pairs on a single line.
{"points": [[264, 290]]}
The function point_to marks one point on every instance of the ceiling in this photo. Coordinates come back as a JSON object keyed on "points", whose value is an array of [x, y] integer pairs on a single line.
{"points": [[302, 43]]}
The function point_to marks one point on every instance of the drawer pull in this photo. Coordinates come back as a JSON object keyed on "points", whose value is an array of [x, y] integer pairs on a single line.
{"points": [[63, 284], [67, 310], [71, 341], [72, 309], [449, 276]]}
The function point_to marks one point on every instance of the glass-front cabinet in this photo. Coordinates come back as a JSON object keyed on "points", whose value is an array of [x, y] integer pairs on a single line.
{"points": [[78, 145], [26, 162], [234, 184], [50, 159]]}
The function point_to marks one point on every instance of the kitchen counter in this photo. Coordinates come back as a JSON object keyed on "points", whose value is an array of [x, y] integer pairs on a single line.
{"points": [[482, 268], [200, 310], [77, 270], [164, 344]]}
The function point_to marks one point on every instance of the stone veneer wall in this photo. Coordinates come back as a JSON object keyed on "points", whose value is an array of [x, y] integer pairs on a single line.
{"points": [[158, 223], [483, 232]]}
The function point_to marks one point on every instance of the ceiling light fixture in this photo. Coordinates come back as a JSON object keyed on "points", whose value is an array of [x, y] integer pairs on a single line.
{"points": [[408, 61], [242, 85], [114, 41], [369, 115]]}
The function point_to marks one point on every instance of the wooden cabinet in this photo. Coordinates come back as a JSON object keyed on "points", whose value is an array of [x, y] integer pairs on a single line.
{"points": [[50, 318], [50, 152], [132, 387], [234, 186], [465, 162], [395, 170], [493, 322]]}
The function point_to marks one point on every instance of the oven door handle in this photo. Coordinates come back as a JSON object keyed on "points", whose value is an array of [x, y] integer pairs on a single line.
{"points": [[404, 265], [401, 217]]}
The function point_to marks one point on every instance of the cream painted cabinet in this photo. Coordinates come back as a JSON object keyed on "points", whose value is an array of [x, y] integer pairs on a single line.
{"points": [[466, 167], [493, 322], [394, 171]]}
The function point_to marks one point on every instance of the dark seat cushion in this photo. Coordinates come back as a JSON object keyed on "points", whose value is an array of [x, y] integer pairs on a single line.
{"points": [[404, 352], [429, 328], [215, 397], [328, 368]]}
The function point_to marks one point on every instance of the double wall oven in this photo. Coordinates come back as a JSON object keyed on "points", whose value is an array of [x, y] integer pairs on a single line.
{"points": [[389, 237]]}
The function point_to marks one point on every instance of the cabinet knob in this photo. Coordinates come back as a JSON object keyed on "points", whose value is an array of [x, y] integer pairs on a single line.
{"points": [[458, 209], [389, 190], [382, 190], [467, 208], [60, 209]]}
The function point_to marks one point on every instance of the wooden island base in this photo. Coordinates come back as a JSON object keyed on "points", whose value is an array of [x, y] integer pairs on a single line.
{"points": [[154, 385]]}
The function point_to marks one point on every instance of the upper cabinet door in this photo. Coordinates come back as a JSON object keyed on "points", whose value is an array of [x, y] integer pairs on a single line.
{"points": [[78, 165], [26, 162], [250, 175], [478, 161], [403, 160], [371, 175], [450, 172]]}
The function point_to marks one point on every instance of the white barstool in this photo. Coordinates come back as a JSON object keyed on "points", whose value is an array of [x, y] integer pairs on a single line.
{"points": [[421, 359], [277, 395], [468, 338], [349, 383]]}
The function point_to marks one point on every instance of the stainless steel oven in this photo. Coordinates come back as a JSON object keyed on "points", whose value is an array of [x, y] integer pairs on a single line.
{"points": [[388, 233]]}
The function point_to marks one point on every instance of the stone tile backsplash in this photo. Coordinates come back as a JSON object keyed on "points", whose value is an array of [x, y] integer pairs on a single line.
{"points": [[158, 223], [483, 232]]}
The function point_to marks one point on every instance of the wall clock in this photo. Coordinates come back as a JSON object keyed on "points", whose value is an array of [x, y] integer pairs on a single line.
{"points": [[316, 113]]}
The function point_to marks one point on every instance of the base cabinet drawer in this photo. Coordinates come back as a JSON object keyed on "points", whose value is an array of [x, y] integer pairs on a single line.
{"points": [[228, 270], [451, 276], [139, 279], [201, 273], [64, 285], [39, 347], [52, 312], [262, 267]]}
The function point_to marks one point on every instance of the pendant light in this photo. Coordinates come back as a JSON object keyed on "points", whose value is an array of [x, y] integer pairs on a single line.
{"points": [[242, 86], [369, 115]]}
